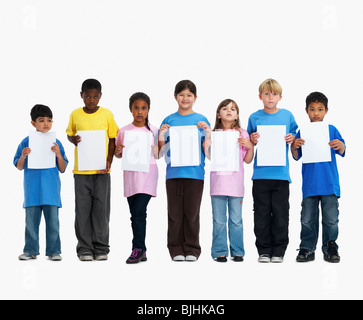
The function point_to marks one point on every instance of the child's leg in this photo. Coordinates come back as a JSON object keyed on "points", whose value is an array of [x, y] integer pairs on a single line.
{"points": [[53, 243], [138, 205], [261, 191], [309, 223], [330, 214], [32, 222], [235, 226], [280, 216], [219, 211], [175, 217], [193, 191]]}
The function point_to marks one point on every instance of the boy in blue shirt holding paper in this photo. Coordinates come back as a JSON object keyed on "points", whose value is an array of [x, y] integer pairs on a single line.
{"points": [[320, 184], [41, 191]]}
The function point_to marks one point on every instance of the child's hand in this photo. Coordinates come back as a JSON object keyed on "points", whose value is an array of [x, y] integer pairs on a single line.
{"points": [[163, 129], [337, 145], [25, 152], [56, 149], [298, 143], [104, 171], [289, 138], [75, 139], [245, 143], [203, 125], [254, 137], [118, 149]]}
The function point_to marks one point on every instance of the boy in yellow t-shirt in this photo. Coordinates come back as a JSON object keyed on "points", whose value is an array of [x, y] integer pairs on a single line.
{"points": [[92, 188]]}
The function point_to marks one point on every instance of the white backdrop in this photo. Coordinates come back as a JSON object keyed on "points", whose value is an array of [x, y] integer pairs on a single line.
{"points": [[227, 48]]}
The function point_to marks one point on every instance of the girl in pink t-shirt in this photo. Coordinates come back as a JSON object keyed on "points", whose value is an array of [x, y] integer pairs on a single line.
{"points": [[227, 188], [139, 186]]}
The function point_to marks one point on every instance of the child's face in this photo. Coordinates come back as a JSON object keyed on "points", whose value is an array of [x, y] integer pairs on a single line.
{"points": [[185, 99], [270, 100], [42, 124], [228, 113], [139, 110], [91, 97], [316, 111]]}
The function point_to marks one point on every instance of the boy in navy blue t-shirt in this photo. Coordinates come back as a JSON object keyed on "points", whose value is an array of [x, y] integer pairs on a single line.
{"points": [[320, 184]]}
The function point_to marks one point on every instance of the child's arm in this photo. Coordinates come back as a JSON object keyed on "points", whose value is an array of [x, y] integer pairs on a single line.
{"points": [[161, 138], [75, 139], [296, 145], [21, 162], [118, 151], [208, 137], [60, 161], [244, 142], [337, 145]]}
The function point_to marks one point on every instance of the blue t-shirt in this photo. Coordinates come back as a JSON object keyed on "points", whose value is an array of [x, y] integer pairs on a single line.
{"points": [[321, 178], [281, 117], [41, 186], [192, 172]]}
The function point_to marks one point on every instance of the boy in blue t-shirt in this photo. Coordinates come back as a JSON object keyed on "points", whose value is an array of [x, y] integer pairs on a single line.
{"points": [[320, 184], [41, 191], [271, 183]]}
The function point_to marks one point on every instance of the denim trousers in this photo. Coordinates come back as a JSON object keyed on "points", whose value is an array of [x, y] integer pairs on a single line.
{"points": [[310, 221], [138, 205], [32, 221], [235, 226]]}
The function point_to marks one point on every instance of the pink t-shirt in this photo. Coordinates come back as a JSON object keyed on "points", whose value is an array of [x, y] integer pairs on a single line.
{"points": [[140, 182], [230, 183]]}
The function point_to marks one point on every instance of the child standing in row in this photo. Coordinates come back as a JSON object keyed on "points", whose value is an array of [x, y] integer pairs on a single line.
{"points": [[92, 187], [139, 187], [271, 183], [41, 191], [184, 185], [227, 188], [320, 184]]}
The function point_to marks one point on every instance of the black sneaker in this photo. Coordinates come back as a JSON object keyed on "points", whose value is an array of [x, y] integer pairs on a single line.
{"points": [[331, 253], [305, 256], [221, 259], [136, 256]]}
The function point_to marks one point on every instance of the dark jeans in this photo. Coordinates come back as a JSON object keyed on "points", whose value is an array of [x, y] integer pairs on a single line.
{"points": [[184, 199], [310, 221], [92, 195], [138, 205], [271, 217]]}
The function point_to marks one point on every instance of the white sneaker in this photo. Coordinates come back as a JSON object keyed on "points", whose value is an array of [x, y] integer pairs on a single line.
{"points": [[264, 258], [179, 258], [277, 259], [191, 258], [55, 257], [25, 257]]}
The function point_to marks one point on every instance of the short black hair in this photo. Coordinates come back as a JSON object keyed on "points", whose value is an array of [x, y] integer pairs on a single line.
{"points": [[40, 110], [91, 84], [185, 84], [317, 97]]}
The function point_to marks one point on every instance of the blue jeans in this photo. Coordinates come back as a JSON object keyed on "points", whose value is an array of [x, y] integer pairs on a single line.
{"points": [[310, 221], [235, 226], [32, 222]]}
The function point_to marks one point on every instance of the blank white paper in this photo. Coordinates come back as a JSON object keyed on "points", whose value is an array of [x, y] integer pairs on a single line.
{"points": [[41, 155], [225, 151], [271, 147], [184, 146], [137, 151], [92, 150], [316, 147]]}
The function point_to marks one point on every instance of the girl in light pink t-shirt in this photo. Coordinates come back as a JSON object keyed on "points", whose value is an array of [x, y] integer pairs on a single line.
{"points": [[227, 188], [139, 186]]}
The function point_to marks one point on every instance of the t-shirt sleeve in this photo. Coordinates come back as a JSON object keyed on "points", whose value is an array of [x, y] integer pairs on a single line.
{"points": [[71, 129], [112, 127], [19, 151]]}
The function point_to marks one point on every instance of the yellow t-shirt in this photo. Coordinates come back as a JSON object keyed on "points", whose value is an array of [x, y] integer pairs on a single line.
{"points": [[102, 119]]}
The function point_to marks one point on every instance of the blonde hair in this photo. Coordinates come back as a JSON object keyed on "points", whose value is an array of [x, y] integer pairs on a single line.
{"points": [[218, 123], [270, 85]]}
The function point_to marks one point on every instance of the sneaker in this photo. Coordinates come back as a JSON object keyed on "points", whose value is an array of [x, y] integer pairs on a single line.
{"points": [[238, 258], [191, 258], [86, 256], [179, 258], [331, 253], [221, 259], [26, 256], [136, 256], [55, 257], [101, 257], [277, 259], [264, 258], [305, 256]]}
